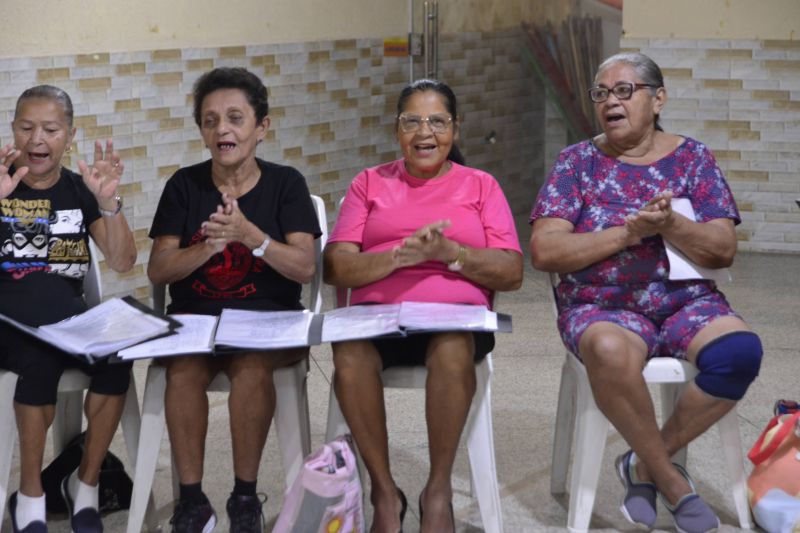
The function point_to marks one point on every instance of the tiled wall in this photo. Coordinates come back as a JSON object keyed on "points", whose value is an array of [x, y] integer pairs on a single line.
{"points": [[742, 99], [332, 107]]}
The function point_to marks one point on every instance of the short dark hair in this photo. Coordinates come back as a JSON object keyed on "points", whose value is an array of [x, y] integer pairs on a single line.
{"points": [[48, 92], [231, 78], [647, 69], [450, 103]]}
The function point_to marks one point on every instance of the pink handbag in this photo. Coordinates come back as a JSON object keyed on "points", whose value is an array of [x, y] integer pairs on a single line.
{"points": [[326, 495], [774, 484]]}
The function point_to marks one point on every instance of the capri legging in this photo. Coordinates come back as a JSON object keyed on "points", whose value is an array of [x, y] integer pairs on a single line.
{"points": [[667, 320], [40, 365]]}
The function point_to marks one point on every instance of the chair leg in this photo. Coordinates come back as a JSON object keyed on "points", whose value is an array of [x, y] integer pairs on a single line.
{"points": [[732, 449], [153, 422], [480, 446], [591, 428], [8, 433], [565, 422], [291, 418]]}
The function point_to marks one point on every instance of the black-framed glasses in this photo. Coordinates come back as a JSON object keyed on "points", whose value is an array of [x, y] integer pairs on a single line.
{"points": [[623, 91], [438, 123]]}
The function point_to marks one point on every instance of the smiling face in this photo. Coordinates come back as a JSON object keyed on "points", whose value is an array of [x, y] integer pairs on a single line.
{"points": [[229, 127], [41, 134], [625, 122], [425, 152]]}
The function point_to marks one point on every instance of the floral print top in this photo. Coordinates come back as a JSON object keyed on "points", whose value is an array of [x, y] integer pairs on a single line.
{"points": [[594, 191]]}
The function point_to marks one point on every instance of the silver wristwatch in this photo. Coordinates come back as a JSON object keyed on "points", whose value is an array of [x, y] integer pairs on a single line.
{"points": [[259, 252]]}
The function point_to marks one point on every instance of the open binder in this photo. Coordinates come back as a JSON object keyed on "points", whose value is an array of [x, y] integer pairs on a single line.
{"points": [[406, 318], [102, 330], [234, 330]]}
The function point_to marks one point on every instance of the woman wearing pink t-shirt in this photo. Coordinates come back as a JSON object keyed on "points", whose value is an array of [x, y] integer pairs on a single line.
{"points": [[423, 228]]}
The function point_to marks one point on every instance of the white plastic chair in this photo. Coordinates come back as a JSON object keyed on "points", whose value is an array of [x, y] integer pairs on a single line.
{"points": [[69, 407], [578, 412], [478, 430], [291, 412]]}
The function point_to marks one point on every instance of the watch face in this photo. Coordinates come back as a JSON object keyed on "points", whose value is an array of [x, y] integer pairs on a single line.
{"points": [[258, 252]]}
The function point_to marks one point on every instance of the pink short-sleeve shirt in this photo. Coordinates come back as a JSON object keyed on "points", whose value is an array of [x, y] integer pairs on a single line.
{"points": [[385, 204]]}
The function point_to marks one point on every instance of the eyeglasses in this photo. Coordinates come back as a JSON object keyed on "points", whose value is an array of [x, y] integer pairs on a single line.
{"points": [[623, 91], [438, 123]]}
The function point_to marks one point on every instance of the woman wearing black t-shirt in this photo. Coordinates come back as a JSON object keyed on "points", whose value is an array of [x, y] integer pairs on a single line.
{"points": [[48, 213], [232, 232]]}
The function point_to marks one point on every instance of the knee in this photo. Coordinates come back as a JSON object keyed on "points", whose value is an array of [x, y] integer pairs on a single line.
{"points": [[351, 359], [188, 375], [452, 352], [729, 364], [610, 354]]}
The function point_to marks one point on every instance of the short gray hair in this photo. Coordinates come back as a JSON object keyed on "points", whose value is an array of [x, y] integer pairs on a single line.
{"points": [[51, 93], [646, 68]]}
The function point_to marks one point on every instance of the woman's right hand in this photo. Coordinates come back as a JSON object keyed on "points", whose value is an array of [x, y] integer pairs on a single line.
{"points": [[8, 182]]}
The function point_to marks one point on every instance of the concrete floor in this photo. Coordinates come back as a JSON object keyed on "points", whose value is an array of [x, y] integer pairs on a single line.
{"points": [[525, 386]]}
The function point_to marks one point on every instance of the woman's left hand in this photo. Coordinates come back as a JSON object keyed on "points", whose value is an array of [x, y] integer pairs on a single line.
{"points": [[653, 218], [104, 175], [426, 244]]}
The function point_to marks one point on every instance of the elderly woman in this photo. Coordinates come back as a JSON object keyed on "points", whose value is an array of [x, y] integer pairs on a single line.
{"points": [[49, 212], [233, 232], [601, 221], [423, 228]]}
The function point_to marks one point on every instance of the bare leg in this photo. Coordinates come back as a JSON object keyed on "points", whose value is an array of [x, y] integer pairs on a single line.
{"points": [[359, 390], [32, 424], [103, 413], [186, 406], [251, 404], [696, 411], [614, 358], [449, 391]]}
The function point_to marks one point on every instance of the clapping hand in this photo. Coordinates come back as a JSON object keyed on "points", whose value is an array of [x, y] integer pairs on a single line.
{"points": [[7, 182], [226, 224], [104, 175], [653, 218], [426, 244]]}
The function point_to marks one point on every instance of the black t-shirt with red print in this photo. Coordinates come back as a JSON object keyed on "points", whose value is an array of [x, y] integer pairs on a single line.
{"points": [[44, 250], [278, 204]]}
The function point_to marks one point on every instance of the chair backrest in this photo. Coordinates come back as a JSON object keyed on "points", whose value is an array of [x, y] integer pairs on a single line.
{"points": [[159, 291], [92, 282]]}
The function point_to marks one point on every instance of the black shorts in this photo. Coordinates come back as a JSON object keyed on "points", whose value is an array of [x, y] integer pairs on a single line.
{"points": [[411, 350], [40, 365]]}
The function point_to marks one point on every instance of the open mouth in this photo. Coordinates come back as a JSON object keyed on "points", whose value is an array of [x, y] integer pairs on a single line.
{"points": [[425, 148], [614, 118], [35, 157], [226, 146]]}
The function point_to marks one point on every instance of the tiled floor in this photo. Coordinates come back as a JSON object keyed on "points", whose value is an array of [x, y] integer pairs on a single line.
{"points": [[525, 384]]}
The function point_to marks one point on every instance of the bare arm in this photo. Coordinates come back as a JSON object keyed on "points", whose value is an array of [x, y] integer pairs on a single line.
{"points": [[495, 269], [710, 244], [556, 248], [170, 263], [111, 233], [293, 260]]}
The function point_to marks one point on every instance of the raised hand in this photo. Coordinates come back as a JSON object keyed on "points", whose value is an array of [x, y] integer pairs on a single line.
{"points": [[426, 244], [104, 175], [8, 182], [226, 224]]}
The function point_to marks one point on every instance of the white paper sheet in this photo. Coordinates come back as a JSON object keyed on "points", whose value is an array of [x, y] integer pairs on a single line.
{"points": [[367, 321], [263, 330], [680, 266], [196, 335]]}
